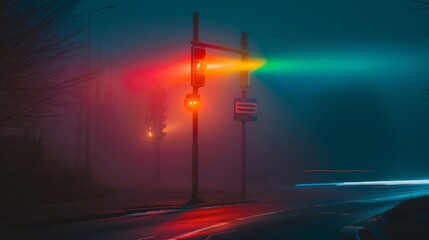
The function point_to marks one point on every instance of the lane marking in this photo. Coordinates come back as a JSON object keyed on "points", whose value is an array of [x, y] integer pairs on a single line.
{"points": [[350, 232], [156, 212], [255, 216], [351, 228], [347, 202], [334, 213], [225, 206], [189, 234], [145, 238], [319, 205]]}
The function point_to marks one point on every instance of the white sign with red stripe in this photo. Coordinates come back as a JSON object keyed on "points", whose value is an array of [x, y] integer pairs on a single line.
{"points": [[245, 109]]}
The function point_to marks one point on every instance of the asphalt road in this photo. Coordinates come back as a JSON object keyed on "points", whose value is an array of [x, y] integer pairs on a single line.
{"points": [[299, 213]]}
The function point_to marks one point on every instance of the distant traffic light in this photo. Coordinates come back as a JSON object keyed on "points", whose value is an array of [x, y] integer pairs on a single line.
{"points": [[192, 102], [157, 119], [150, 133], [198, 68]]}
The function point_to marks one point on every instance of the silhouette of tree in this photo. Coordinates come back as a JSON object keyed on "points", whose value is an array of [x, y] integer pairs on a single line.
{"points": [[37, 42]]}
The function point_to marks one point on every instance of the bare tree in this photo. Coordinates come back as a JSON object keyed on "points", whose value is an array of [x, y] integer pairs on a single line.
{"points": [[37, 41]]}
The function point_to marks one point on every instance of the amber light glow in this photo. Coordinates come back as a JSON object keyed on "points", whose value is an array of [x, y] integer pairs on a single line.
{"points": [[200, 66], [150, 133], [217, 66]]}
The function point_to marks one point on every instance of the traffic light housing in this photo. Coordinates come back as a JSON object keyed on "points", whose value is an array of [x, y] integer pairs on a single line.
{"points": [[156, 128], [156, 122], [192, 102], [198, 67], [150, 132]]}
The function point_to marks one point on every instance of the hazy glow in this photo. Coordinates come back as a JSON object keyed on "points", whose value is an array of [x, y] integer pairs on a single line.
{"points": [[320, 65], [345, 62], [179, 72], [143, 75], [217, 66], [200, 66], [150, 134], [368, 183], [193, 104]]}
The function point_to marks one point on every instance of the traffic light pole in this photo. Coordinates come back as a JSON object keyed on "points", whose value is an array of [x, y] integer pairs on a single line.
{"points": [[194, 197], [243, 51], [195, 153], [157, 99], [157, 158]]}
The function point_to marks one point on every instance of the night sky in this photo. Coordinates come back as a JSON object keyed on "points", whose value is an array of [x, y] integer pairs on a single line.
{"points": [[340, 88]]}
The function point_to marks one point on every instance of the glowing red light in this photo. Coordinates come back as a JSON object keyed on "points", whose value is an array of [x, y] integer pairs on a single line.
{"points": [[192, 102]]}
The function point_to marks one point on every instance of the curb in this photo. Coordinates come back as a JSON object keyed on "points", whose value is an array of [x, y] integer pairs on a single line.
{"points": [[350, 233], [374, 229], [354, 230], [68, 219], [219, 204], [148, 208]]}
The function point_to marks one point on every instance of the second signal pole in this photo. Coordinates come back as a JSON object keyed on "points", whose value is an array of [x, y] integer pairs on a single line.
{"points": [[243, 84]]}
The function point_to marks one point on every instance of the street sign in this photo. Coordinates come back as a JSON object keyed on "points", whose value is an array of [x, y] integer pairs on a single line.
{"points": [[245, 109]]}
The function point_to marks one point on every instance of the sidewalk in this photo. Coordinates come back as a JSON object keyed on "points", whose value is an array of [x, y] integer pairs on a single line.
{"points": [[119, 203], [407, 220], [414, 227]]}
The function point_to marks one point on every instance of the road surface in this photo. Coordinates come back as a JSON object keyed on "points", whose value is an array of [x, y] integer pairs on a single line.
{"points": [[321, 212]]}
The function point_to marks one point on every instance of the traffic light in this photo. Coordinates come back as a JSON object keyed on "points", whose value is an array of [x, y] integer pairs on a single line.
{"points": [[198, 68], [156, 130], [157, 125], [192, 102], [150, 133], [157, 116]]}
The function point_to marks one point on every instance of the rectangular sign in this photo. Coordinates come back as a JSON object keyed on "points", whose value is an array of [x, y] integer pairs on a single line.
{"points": [[245, 109]]}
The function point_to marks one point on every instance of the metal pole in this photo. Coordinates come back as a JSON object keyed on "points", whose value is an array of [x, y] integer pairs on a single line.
{"points": [[157, 158], [87, 94], [243, 85], [195, 155], [195, 127]]}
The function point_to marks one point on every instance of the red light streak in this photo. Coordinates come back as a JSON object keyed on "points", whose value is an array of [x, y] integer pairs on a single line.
{"points": [[146, 74]]}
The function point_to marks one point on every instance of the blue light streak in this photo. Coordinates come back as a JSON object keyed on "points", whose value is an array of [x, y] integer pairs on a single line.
{"points": [[366, 183]]}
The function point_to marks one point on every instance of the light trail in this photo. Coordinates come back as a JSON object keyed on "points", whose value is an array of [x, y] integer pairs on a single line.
{"points": [[346, 62], [400, 182], [366, 183], [218, 66], [198, 231], [334, 170]]}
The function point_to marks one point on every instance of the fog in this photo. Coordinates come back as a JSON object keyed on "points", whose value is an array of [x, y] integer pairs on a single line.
{"points": [[346, 94]]}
